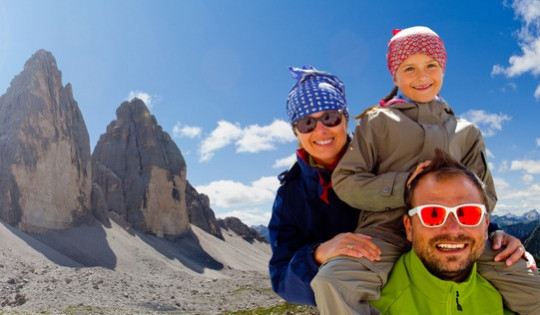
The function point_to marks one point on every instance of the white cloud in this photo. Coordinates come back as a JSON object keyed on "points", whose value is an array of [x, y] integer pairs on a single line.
{"points": [[500, 184], [528, 12], [251, 139], [180, 131], [145, 97], [530, 194], [270, 183], [528, 62], [285, 162], [527, 178], [223, 135], [510, 86], [227, 193], [489, 123], [538, 142], [491, 166], [529, 166], [249, 217], [537, 93], [516, 199], [504, 166], [489, 154], [256, 138]]}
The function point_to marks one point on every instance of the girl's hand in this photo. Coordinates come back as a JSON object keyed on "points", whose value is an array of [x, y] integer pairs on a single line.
{"points": [[349, 244], [419, 168], [514, 249]]}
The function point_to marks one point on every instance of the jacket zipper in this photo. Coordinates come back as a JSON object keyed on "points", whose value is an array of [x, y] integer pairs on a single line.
{"points": [[459, 308]]}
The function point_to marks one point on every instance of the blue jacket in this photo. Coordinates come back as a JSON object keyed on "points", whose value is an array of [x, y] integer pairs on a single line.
{"points": [[306, 212]]}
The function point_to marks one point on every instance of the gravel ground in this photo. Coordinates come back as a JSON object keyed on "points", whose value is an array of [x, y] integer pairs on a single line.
{"points": [[197, 275]]}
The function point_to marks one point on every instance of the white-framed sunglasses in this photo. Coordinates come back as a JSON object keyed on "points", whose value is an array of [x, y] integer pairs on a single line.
{"points": [[433, 215]]}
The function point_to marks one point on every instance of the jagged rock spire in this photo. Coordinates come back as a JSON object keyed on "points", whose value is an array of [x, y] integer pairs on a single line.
{"points": [[141, 172], [45, 153]]}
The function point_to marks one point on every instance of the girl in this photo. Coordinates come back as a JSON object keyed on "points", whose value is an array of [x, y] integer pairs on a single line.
{"points": [[392, 140]]}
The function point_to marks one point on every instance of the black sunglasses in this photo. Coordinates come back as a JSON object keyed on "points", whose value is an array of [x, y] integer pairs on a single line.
{"points": [[330, 118]]}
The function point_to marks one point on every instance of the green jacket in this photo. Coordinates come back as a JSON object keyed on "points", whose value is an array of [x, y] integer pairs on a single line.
{"points": [[412, 289]]}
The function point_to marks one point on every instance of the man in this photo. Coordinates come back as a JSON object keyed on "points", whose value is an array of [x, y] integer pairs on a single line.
{"points": [[447, 225]]}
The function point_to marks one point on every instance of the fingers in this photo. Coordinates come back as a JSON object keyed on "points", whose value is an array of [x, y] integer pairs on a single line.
{"points": [[497, 240], [354, 250], [419, 168], [513, 251], [349, 244], [531, 260], [359, 245], [517, 254]]}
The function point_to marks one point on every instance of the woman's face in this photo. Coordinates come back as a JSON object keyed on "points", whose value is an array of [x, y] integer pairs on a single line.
{"points": [[419, 77], [324, 143]]}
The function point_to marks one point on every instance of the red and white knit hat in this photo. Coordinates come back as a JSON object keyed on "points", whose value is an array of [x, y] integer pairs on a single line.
{"points": [[414, 40]]}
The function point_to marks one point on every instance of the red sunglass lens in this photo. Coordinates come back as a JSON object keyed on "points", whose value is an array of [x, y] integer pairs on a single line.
{"points": [[433, 216], [469, 215]]}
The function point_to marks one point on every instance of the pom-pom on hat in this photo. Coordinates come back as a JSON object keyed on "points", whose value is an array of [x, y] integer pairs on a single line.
{"points": [[414, 40], [315, 91]]}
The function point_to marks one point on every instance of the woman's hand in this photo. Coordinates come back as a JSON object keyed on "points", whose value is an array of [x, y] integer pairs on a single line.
{"points": [[349, 244], [514, 249]]}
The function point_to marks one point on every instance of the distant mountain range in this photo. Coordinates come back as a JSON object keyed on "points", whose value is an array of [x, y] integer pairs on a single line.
{"points": [[262, 230], [520, 226], [510, 218]]}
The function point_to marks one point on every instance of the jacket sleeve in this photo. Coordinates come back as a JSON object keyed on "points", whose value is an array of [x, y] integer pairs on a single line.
{"points": [[355, 180], [292, 266], [475, 159]]}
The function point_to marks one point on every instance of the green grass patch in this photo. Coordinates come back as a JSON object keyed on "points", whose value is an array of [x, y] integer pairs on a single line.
{"points": [[285, 308]]}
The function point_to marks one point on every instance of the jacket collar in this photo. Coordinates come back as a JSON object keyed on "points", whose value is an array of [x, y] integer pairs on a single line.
{"points": [[431, 286], [323, 175]]}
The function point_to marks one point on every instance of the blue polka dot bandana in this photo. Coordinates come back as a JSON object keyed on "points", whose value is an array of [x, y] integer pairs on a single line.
{"points": [[315, 91]]}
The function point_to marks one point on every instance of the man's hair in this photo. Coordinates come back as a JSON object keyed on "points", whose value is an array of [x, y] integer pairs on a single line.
{"points": [[443, 166]]}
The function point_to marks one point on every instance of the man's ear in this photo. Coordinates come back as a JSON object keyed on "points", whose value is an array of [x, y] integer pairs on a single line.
{"points": [[408, 226]]}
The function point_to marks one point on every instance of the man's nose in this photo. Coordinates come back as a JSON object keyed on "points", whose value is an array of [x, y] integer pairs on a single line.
{"points": [[451, 223]]}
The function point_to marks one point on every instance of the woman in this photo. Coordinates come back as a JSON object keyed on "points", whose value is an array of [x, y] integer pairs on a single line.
{"points": [[309, 223]]}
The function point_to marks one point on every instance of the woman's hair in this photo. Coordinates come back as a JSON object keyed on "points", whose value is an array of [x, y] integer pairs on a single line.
{"points": [[385, 99]]}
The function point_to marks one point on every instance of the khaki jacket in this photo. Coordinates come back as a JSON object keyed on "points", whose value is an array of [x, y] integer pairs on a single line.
{"points": [[387, 146]]}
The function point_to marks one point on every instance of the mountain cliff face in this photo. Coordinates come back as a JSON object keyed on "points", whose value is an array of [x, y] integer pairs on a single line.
{"points": [[247, 233], [533, 243], [49, 180], [45, 173], [200, 213], [141, 172]]}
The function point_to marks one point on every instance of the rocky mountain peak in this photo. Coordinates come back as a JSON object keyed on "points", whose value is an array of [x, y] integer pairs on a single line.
{"points": [[45, 171], [41, 59], [247, 233], [141, 172]]}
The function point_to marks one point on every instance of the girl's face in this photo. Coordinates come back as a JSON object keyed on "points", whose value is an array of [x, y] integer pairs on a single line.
{"points": [[419, 77], [324, 143]]}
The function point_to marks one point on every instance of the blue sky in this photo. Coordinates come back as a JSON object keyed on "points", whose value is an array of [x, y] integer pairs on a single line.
{"points": [[214, 74]]}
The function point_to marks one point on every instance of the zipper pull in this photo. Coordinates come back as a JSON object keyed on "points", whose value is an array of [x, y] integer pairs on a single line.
{"points": [[459, 308]]}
